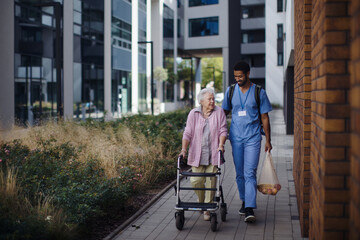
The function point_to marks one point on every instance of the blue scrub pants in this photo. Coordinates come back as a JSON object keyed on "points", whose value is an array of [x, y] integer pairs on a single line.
{"points": [[246, 159]]}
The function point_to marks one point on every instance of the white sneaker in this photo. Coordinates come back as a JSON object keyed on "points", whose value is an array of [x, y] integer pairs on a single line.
{"points": [[207, 216]]}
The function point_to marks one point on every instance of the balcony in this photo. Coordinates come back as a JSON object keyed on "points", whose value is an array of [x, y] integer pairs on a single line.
{"points": [[252, 2], [253, 48], [252, 23], [257, 72], [27, 47]]}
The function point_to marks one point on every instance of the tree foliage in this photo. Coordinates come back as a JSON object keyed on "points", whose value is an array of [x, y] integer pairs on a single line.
{"points": [[208, 75]]}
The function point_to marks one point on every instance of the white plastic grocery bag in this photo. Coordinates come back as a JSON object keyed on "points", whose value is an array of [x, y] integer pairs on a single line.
{"points": [[268, 182]]}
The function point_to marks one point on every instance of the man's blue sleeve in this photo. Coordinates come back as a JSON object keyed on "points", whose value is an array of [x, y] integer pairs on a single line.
{"points": [[226, 102], [265, 105]]}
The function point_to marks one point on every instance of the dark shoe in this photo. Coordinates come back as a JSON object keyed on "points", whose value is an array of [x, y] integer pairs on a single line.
{"points": [[242, 209], [249, 215]]}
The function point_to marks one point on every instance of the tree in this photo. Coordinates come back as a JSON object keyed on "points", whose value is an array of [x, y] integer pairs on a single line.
{"points": [[207, 73], [160, 74]]}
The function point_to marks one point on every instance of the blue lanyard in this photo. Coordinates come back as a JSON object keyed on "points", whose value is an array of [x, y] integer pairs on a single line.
{"points": [[247, 94]]}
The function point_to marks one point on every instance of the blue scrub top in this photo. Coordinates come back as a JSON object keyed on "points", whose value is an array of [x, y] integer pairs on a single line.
{"points": [[246, 129]]}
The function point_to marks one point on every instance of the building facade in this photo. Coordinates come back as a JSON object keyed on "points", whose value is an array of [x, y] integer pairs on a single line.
{"points": [[206, 33], [86, 59], [94, 59], [247, 38], [274, 51], [288, 67], [256, 36]]}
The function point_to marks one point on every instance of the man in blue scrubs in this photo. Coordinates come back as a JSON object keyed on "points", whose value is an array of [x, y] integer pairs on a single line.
{"points": [[245, 135]]}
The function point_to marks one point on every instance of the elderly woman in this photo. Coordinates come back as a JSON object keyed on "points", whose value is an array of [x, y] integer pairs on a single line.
{"points": [[206, 133]]}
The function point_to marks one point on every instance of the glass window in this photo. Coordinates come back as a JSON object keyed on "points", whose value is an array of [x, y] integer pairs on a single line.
{"points": [[245, 13], [180, 3], [280, 59], [168, 22], [253, 36], [179, 29], [280, 31], [89, 67], [121, 31], [168, 52], [120, 87], [256, 11], [142, 93], [203, 27], [280, 5], [35, 73], [245, 38], [194, 3]]}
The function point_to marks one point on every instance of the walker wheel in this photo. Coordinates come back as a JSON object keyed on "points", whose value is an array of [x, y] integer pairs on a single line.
{"points": [[180, 220], [223, 211], [213, 221]]}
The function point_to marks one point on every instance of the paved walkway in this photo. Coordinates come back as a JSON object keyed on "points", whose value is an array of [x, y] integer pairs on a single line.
{"points": [[277, 216]]}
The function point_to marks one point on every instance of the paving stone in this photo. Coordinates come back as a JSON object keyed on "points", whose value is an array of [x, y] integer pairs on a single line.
{"points": [[276, 215]]}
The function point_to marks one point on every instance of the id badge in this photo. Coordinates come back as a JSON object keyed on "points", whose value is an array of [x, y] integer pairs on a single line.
{"points": [[242, 113]]}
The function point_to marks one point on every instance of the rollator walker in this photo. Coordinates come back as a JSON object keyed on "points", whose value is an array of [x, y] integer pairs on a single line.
{"points": [[181, 206]]}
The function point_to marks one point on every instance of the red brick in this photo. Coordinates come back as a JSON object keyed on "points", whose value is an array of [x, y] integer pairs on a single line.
{"points": [[337, 196], [355, 97], [336, 223], [333, 210], [333, 182], [338, 23], [336, 9]]}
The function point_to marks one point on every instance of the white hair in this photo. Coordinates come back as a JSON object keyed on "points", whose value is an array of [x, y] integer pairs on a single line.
{"points": [[204, 91]]}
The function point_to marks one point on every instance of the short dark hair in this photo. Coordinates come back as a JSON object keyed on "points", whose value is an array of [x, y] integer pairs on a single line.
{"points": [[242, 66]]}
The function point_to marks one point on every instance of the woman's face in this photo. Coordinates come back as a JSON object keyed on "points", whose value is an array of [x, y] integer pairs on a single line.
{"points": [[208, 102]]}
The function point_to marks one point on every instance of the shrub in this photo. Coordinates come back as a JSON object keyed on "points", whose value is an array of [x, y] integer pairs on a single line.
{"points": [[72, 174], [81, 189], [20, 219]]}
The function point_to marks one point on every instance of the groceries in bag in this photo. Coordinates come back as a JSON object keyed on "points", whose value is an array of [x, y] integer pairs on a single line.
{"points": [[268, 182]]}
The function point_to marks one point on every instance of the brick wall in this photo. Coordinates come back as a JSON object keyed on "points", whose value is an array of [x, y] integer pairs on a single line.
{"points": [[355, 121], [327, 117], [330, 120], [302, 108]]}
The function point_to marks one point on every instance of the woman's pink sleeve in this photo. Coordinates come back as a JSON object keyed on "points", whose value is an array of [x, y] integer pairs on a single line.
{"points": [[223, 124], [189, 129]]}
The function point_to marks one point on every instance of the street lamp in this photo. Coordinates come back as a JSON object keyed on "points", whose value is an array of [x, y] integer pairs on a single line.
{"points": [[152, 74]]}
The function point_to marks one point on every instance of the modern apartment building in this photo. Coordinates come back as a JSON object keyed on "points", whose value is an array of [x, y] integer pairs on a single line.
{"points": [[84, 58], [274, 50], [205, 32], [288, 67], [256, 36], [94, 58], [247, 37]]}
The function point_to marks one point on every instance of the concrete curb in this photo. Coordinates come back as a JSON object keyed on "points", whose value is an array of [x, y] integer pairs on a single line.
{"points": [[139, 212]]}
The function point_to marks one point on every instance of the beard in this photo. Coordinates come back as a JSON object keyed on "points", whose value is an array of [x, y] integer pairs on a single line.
{"points": [[242, 83]]}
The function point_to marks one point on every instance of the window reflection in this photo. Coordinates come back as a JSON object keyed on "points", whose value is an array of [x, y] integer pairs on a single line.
{"points": [[35, 73], [168, 53], [203, 27], [88, 59], [193, 3]]}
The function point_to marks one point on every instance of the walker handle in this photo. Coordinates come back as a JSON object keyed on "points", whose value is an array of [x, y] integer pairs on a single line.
{"points": [[181, 163], [222, 156]]}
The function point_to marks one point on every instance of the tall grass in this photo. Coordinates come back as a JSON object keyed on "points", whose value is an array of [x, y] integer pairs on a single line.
{"points": [[17, 212], [113, 149], [69, 174]]}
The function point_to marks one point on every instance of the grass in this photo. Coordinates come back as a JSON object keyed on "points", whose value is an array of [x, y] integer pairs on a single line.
{"points": [[21, 217], [65, 175]]}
